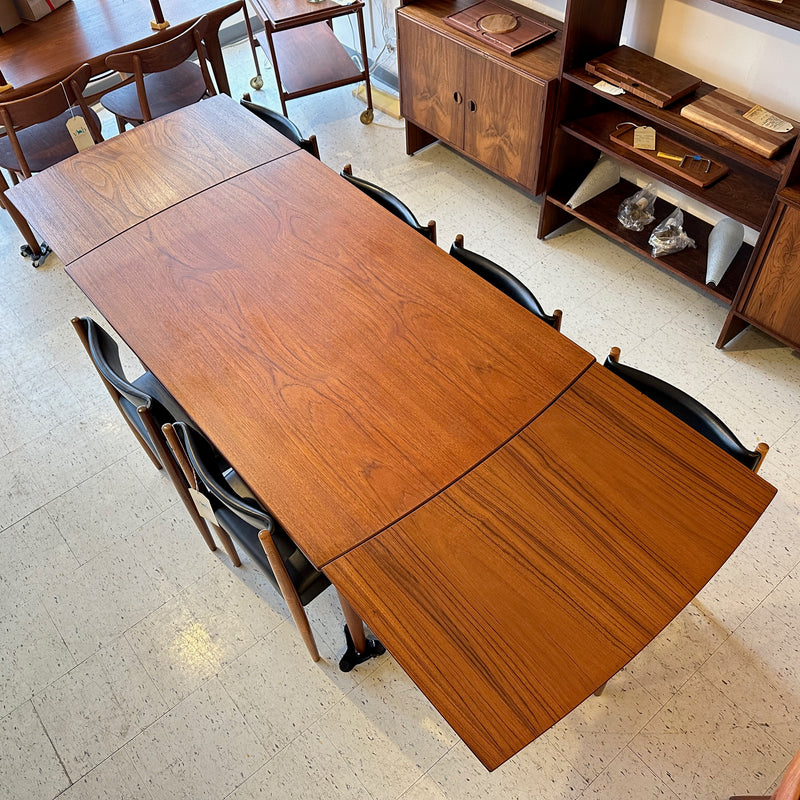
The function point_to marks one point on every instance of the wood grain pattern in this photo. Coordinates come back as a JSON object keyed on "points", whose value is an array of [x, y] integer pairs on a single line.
{"points": [[344, 364], [35, 54], [646, 77], [774, 300], [91, 197], [522, 588], [722, 111]]}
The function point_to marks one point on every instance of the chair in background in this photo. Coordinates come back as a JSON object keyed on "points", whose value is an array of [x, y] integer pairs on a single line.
{"points": [[37, 137], [689, 410], [390, 203], [503, 280], [283, 125], [164, 77], [249, 523], [146, 405]]}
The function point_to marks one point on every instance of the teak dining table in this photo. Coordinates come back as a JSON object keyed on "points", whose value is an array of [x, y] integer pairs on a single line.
{"points": [[513, 521]]}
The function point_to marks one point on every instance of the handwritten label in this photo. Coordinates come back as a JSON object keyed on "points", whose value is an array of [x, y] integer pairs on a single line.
{"points": [[608, 88], [766, 119], [203, 505], [644, 138]]}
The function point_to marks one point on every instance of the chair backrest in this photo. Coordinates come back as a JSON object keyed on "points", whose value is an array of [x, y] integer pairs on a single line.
{"points": [[162, 57], [283, 125], [205, 461], [390, 203], [503, 280], [687, 409], [15, 115]]}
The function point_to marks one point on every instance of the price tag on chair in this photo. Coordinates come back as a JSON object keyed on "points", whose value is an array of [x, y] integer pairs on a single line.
{"points": [[79, 132], [203, 505]]}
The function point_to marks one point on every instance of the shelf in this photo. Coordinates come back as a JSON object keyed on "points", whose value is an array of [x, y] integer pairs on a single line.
{"points": [[671, 119], [744, 195], [690, 264], [786, 13]]}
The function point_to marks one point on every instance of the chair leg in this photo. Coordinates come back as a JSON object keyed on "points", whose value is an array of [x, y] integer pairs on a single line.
{"points": [[289, 593], [120, 123], [228, 545], [175, 475]]}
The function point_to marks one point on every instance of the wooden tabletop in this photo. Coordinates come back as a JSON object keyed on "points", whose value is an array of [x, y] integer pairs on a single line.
{"points": [[522, 588], [34, 54], [98, 193], [347, 367]]}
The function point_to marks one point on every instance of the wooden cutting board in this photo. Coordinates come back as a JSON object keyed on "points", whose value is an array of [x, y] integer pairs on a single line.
{"points": [[722, 112], [700, 173], [644, 76], [499, 27]]}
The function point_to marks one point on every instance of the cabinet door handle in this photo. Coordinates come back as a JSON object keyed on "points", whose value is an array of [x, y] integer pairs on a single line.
{"points": [[457, 97], [471, 105]]}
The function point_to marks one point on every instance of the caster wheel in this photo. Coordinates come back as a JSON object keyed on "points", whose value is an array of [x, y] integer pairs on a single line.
{"points": [[257, 82], [25, 251], [367, 116]]}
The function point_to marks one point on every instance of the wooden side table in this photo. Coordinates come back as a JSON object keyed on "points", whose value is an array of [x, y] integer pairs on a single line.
{"points": [[304, 51]]}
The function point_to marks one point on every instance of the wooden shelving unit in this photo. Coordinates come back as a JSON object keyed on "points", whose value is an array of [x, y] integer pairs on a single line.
{"points": [[786, 13], [585, 117]]}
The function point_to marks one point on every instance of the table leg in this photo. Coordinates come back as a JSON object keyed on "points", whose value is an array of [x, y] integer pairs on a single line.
{"points": [[36, 251], [359, 648]]}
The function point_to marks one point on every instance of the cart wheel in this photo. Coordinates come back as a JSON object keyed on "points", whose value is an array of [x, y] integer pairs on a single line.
{"points": [[367, 116], [257, 82]]}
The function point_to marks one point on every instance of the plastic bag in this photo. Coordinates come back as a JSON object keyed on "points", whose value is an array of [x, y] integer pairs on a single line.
{"points": [[669, 237], [636, 211]]}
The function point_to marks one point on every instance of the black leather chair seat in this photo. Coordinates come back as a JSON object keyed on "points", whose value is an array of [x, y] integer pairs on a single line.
{"points": [[44, 144], [306, 579]]}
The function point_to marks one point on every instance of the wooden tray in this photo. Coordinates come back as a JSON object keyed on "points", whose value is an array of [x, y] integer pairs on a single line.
{"points": [[721, 112], [643, 76], [499, 27], [692, 171]]}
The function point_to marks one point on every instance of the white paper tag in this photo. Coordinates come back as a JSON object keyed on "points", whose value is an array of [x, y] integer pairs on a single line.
{"points": [[644, 138], [608, 88], [203, 505], [79, 132], [766, 119]]}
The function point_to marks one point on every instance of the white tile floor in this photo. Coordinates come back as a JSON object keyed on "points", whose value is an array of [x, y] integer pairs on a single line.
{"points": [[135, 664]]}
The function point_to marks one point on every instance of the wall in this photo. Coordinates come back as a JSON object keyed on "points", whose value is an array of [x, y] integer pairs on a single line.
{"points": [[723, 46]]}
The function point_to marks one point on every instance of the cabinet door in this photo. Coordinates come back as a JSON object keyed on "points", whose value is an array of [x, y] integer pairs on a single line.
{"points": [[431, 81], [774, 300], [503, 118]]}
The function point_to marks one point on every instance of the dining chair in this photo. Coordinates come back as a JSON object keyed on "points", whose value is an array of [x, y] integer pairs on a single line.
{"points": [[250, 524], [788, 788], [503, 280], [164, 77], [37, 138], [145, 405], [390, 203], [283, 125], [689, 410]]}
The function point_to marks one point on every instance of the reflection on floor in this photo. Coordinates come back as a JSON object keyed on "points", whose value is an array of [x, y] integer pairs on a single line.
{"points": [[134, 664]]}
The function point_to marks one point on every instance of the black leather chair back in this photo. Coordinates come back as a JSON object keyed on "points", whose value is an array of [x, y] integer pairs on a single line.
{"points": [[283, 125], [687, 409], [503, 280], [390, 203]]}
